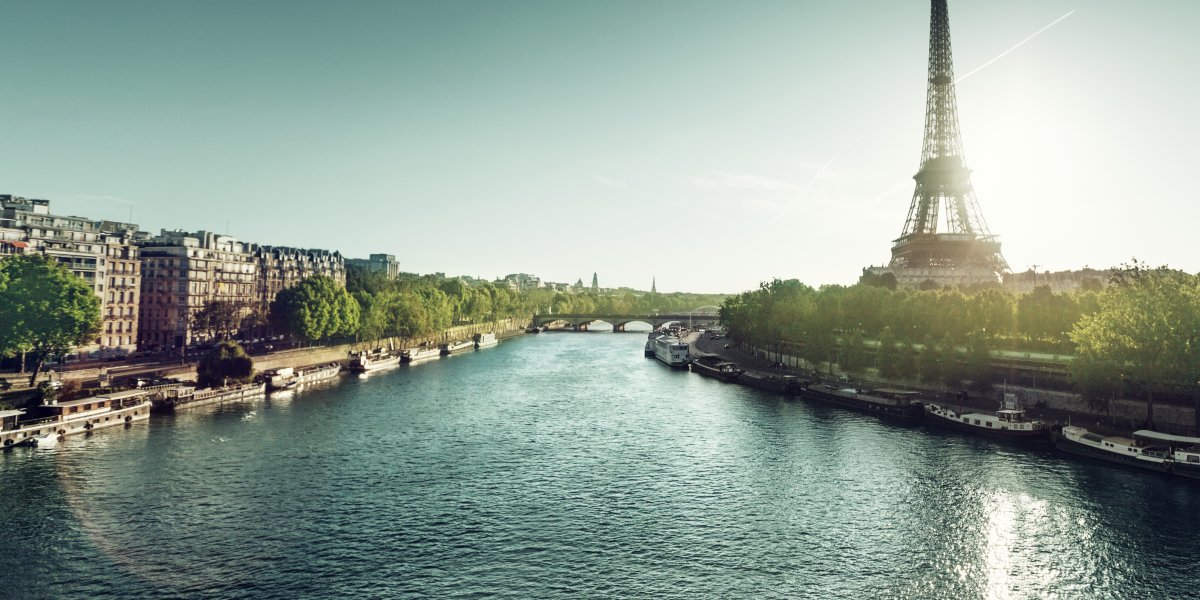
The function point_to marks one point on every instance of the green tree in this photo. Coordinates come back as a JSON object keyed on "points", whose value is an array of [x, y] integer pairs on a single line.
{"points": [[227, 362], [930, 361], [221, 319], [854, 354], [977, 363], [316, 309], [1148, 328], [887, 357], [45, 310]]}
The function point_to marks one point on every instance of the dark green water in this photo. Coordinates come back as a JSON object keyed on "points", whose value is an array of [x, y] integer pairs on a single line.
{"points": [[567, 465]]}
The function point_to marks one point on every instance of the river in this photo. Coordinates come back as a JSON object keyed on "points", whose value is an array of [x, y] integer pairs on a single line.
{"points": [[567, 465]]}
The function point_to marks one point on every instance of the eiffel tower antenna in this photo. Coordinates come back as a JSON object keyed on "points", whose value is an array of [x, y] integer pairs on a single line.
{"points": [[945, 237]]}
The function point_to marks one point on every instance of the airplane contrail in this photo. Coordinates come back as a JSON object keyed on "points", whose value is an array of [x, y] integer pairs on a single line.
{"points": [[804, 192], [1018, 45]]}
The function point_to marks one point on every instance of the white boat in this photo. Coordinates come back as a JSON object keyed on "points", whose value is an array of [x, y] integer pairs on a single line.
{"points": [[456, 347], [288, 377], [485, 340], [365, 362], [186, 396], [420, 353], [72, 417], [672, 351], [1151, 450]]}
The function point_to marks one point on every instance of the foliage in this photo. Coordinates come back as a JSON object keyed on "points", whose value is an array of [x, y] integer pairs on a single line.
{"points": [[222, 319], [414, 306], [45, 310], [1147, 330], [227, 362], [316, 309], [887, 357]]}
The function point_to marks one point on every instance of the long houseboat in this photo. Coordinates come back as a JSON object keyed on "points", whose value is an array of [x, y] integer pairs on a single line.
{"points": [[457, 347], [1150, 450], [50, 423], [715, 366], [186, 396], [888, 402], [288, 377], [672, 351], [365, 362], [420, 353], [1008, 423]]}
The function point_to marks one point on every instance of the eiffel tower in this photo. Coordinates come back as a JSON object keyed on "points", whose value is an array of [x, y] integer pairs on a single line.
{"points": [[945, 238]]}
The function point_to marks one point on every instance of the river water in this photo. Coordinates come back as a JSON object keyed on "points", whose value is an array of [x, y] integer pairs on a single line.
{"points": [[567, 465]]}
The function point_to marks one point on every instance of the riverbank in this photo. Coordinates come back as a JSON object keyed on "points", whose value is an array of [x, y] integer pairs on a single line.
{"points": [[295, 357], [1047, 405]]}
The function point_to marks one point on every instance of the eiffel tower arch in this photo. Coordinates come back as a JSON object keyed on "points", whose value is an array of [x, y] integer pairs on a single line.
{"points": [[945, 238]]}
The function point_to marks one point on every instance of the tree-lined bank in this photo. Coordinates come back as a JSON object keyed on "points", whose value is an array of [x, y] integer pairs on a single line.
{"points": [[1138, 337]]}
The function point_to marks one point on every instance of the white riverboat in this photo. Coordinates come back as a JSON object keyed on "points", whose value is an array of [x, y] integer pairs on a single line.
{"points": [[1151, 450], [420, 353], [186, 396], [365, 362], [52, 422], [485, 340], [289, 377], [457, 347], [672, 351]]}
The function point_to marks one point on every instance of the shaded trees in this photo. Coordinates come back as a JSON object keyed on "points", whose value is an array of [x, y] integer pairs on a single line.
{"points": [[226, 362]]}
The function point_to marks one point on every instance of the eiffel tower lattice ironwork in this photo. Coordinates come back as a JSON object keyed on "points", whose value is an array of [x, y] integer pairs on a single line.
{"points": [[944, 195]]}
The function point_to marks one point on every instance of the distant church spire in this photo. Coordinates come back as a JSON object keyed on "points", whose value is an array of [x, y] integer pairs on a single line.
{"points": [[595, 283], [653, 285]]}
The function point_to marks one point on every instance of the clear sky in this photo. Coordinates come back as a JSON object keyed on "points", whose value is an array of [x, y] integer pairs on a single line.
{"points": [[710, 144]]}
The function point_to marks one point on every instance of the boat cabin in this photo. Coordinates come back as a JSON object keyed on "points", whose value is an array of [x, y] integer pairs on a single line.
{"points": [[1180, 447], [895, 397]]}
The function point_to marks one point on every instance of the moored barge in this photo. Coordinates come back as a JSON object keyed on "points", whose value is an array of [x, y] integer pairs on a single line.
{"points": [[485, 340], [186, 396], [289, 377], [52, 422], [365, 362], [1007, 423], [715, 366], [420, 353], [671, 351], [458, 347], [1149, 450], [887, 402]]}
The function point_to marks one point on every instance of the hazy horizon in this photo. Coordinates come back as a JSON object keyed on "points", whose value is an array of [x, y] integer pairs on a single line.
{"points": [[708, 145]]}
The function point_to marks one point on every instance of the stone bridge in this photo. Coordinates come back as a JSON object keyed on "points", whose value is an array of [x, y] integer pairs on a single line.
{"points": [[580, 322]]}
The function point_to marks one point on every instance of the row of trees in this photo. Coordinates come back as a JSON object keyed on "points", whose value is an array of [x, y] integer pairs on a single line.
{"points": [[372, 306], [791, 310], [1138, 336]]}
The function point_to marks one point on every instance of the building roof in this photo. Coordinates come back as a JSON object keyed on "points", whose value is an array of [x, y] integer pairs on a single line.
{"points": [[10, 413]]}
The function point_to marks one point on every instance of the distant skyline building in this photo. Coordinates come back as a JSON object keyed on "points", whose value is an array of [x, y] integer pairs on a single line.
{"points": [[378, 263], [945, 238], [595, 283]]}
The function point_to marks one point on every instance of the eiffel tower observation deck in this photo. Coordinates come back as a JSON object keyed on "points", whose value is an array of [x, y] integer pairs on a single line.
{"points": [[945, 239]]}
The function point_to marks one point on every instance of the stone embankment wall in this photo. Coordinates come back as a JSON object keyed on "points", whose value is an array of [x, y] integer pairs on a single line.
{"points": [[315, 355], [1126, 414]]}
